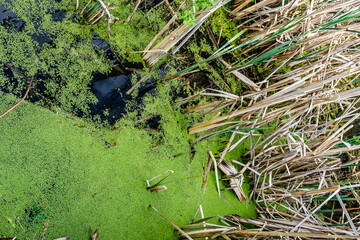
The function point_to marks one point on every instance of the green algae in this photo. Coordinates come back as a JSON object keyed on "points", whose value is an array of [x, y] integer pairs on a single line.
{"points": [[46, 159], [62, 164], [63, 63]]}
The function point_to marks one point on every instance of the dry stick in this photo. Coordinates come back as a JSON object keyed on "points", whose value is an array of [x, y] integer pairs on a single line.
{"points": [[102, 13], [27, 91], [216, 172], [62, 238], [177, 228], [224, 236], [247, 166], [133, 12], [144, 78], [315, 210], [235, 178], [159, 34], [347, 215], [240, 6], [94, 235], [202, 217], [85, 7], [305, 235], [182, 34], [346, 112], [209, 162], [200, 21], [197, 211], [170, 8], [239, 75], [323, 145], [42, 235], [222, 156], [110, 16]]}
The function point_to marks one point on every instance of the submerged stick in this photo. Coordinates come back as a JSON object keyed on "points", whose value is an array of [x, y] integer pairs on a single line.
{"points": [[207, 173], [143, 79], [26, 93]]}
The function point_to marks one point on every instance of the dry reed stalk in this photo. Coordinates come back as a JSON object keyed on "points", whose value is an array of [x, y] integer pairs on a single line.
{"points": [[304, 148], [179, 36], [177, 228], [296, 123]]}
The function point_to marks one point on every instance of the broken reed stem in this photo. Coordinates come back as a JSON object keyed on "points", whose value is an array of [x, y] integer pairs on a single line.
{"points": [[143, 79], [82, 11], [177, 228], [297, 120], [252, 233], [209, 163], [133, 12], [216, 172], [170, 8]]}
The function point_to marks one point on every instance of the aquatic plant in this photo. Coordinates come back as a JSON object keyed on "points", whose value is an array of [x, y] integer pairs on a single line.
{"points": [[189, 16], [80, 182], [62, 62], [35, 212], [284, 94]]}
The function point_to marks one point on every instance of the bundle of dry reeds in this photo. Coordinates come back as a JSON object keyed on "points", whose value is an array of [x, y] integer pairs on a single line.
{"points": [[180, 35], [302, 163], [232, 227]]}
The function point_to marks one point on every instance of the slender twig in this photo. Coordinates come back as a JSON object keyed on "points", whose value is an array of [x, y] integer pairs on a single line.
{"points": [[177, 228], [26, 93], [170, 8]]}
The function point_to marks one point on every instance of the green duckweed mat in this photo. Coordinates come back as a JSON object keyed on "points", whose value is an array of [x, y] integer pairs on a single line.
{"points": [[57, 169]]}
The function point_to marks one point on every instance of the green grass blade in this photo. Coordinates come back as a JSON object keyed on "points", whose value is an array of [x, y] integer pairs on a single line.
{"points": [[234, 130]]}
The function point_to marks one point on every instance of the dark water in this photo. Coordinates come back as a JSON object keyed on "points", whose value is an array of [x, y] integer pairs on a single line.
{"points": [[8, 19], [109, 90], [112, 96]]}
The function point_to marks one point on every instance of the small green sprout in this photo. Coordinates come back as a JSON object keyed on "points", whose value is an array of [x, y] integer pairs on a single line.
{"points": [[199, 5], [35, 213], [189, 17]]}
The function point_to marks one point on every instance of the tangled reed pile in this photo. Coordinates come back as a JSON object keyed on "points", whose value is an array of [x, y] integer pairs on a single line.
{"points": [[300, 120]]}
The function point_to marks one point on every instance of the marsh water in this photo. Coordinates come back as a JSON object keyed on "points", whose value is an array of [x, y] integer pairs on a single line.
{"points": [[62, 170], [110, 90]]}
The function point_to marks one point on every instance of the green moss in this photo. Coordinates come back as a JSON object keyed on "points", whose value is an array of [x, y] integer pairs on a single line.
{"points": [[129, 38], [221, 26], [46, 159]]}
